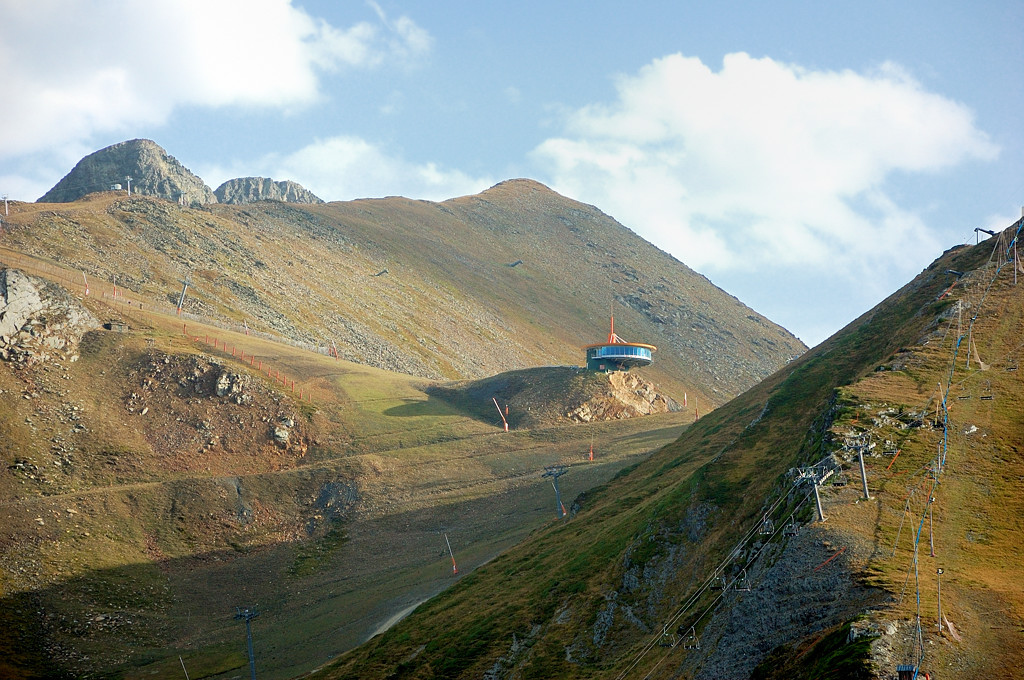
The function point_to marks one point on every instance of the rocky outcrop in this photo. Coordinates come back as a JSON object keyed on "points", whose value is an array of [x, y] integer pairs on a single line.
{"points": [[251, 189], [628, 395], [538, 397], [39, 320], [153, 172]]}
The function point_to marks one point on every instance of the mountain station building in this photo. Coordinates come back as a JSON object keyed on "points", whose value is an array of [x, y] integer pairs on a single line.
{"points": [[617, 354]]}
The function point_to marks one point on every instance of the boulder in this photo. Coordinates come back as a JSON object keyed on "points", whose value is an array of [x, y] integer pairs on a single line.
{"points": [[39, 319]]}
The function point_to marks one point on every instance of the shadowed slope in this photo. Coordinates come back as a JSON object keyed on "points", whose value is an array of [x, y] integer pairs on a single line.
{"points": [[591, 597]]}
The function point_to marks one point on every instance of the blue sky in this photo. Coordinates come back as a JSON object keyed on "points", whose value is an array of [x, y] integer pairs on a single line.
{"points": [[809, 158]]}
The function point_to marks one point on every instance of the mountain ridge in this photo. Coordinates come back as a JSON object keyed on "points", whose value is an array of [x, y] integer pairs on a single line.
{"points": [[146, 168], [405, 257]]}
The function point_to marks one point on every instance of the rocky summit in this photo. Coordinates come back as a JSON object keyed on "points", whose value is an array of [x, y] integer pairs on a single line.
{"points": [[251, 189], [152, 172]]}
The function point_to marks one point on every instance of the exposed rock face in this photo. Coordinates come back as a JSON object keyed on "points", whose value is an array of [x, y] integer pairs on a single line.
{"points": [[628, 396], [252, 189], [39, 319], [154, 172]]}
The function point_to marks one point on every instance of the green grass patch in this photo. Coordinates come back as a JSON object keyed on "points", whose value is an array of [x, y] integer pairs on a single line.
{"points": [[832, 657]]}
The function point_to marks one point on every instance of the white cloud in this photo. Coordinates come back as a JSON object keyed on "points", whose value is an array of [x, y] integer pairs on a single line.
{"points": [[345, 168], [762, 167], [761, 162], [84, 68]]}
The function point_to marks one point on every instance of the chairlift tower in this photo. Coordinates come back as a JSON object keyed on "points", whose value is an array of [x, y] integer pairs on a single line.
{"points": [[554, 472], [184, 288], [862, 444], [248, 614], [818, 474]]}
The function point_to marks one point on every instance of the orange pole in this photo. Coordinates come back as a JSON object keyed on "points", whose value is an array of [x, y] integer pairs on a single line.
{"points": [[893, 459]]}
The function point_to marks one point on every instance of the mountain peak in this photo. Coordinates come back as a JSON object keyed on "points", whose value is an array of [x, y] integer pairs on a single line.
{"points": [[152, 170], [252, 189]]}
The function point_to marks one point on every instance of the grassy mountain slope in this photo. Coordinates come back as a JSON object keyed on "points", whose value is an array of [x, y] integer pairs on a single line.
{"points": [[592, 597], [140, 506], [418, 287]]}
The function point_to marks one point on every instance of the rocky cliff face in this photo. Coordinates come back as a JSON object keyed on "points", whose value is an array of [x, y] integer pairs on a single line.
{"points": [[251, 189], [39, 319], [154, 172]]}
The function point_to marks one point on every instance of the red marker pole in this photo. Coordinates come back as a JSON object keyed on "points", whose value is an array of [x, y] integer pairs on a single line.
{"points": [[455, 569], [495, 400]]}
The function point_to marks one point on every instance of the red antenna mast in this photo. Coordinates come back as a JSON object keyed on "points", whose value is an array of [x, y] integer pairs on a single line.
{"points": [[613, 338]]}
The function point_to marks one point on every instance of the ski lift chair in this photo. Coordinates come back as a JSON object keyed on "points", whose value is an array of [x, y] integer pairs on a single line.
{"points": [[692, 641], [667, 639]]}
